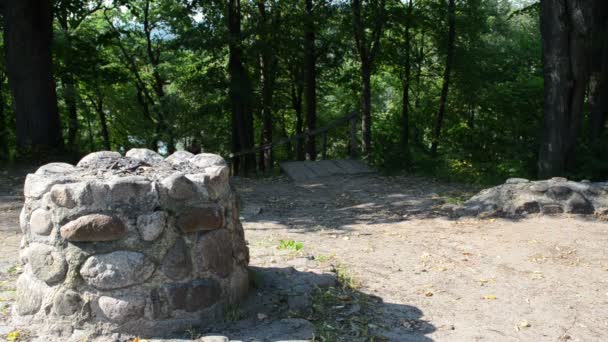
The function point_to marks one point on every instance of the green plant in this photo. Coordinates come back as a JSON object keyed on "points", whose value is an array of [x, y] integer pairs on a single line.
{"points": [[290, 244]]}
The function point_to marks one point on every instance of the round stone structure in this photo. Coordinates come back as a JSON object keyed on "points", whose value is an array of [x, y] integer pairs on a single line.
{"points": [[138, 245]]}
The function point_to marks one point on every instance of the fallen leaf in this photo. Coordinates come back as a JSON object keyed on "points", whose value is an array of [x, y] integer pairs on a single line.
{"points": [[524, 324], [489, 297], [429, 294]]}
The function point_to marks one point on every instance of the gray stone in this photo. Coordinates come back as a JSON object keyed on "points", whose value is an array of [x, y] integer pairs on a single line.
{"points": [[101, 159], [539, 187], [23, 222], [558, 179], [217, 180], [120, 309], [202, 293], [145, 155], [517, 181], [559, 192], [204, 160], [62, 196], [116, 270], [40, 222], [179, 187], [203, 218], [134, 191], [529, 207], [239, 284], [30, 293], [94, 227], [67, 302], [577, 204], [150, 226], [54, 168], [179, 157], [214, 338], [47, 263], [552, 209], [36, 185], [177, 263], [177, 295], [214, 253]]}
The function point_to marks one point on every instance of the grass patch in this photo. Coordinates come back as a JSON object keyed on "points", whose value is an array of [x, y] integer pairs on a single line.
{"points": [[291, 245], [342, 313]]}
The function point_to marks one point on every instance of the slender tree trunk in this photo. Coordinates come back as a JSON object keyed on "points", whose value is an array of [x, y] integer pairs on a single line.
{"points": [[598, 95], [405, 109], [239, 94], [105, 134], [4, 150], [28, 36], [69, 94], [311, 79], [564, 29], [446, 76], [366, 108], [296, 102], [268, 63]]}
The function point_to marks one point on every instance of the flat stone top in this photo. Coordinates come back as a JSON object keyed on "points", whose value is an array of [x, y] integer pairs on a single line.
{"points": [[151, 166]]}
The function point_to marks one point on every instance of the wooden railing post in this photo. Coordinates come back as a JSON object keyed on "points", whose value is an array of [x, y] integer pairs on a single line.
{"points": [[353, 137]]}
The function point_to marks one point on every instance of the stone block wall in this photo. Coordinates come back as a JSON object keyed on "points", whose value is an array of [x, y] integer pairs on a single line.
{"points": [[139, 245]]}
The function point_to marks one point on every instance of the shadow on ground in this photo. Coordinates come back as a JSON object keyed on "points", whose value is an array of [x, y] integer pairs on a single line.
{"points": [[286, 304]]}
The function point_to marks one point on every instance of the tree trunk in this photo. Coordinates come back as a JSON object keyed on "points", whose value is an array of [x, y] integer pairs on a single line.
{"points": [[4, 150], [564, 30], [296, 103], [366, 108], [69, 94], [598, 94], [310, 62], [28, 35], [268, 63], [446, 76], [103, 122], [405, 109], [239, 94]]}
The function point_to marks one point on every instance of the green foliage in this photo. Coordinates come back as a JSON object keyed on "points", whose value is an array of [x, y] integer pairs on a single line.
{"points": [[157, 70], [291, 245]]}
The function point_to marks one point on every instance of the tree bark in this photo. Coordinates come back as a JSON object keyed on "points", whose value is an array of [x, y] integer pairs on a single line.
{"points": [[446, 76], [565, 33], [239, 94], [103, 122], [268, 66], [405, 109], [4, 150], [367, 48], [598, 94], [69, 94], [310, 62], [28, 35], [296, 103]]}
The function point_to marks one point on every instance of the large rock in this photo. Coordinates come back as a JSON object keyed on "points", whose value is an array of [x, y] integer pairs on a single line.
{"points": [[99, 160], [67, 302], [177, 263], [179, 158], [94, 227], [215, 253], [205, 160], [29, 296], [133, 191], [116, 270], [40, 222], [203, 218], [47, 263], [54, 169], [150, 226], [145, 155], [179, 187], [120, 309], [37, 185], [196, 295]]}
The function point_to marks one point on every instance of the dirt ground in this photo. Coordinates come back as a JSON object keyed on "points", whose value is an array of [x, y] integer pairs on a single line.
{"points": [[412, 274]]}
